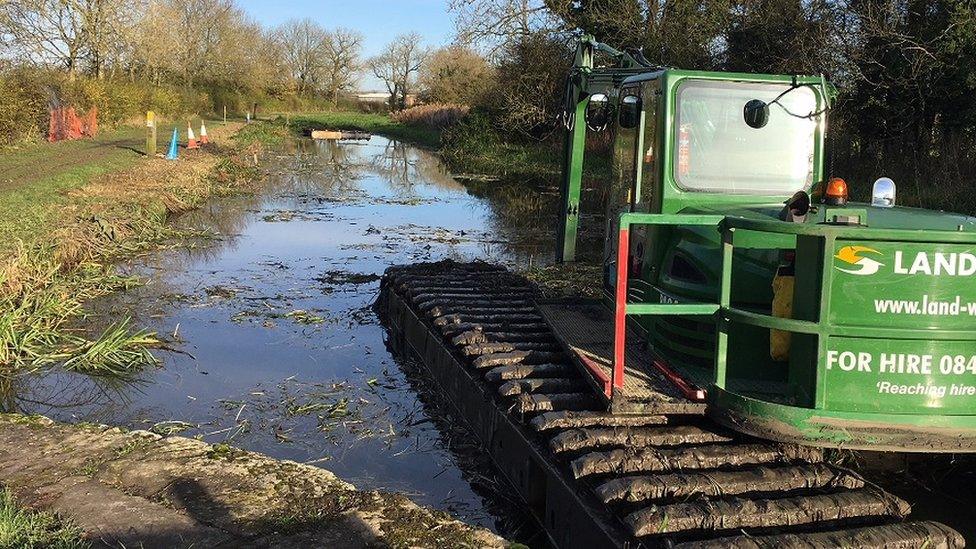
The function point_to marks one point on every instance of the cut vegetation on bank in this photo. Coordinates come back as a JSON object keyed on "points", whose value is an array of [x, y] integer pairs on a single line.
{"points": [[62, 229]]}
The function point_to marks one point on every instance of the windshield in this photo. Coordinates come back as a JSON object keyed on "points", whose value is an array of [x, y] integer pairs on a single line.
{"points": [[718, 152]]}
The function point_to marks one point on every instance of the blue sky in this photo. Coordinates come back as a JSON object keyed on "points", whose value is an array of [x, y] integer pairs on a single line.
{"points": [[378, 20]]}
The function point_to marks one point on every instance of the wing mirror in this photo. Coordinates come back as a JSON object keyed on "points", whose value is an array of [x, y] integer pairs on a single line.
{"points": [[598, 111], [756, 113], [630, 109]]}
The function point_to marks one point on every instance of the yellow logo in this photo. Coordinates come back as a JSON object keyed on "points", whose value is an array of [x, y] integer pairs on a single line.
{"points": [[850, 256]]}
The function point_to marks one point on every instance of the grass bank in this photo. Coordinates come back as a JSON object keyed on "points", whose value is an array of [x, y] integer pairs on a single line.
{"points": [[27, 529], [63, 229]]}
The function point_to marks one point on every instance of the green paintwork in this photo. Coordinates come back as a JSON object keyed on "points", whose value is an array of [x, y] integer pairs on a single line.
{"points": [[839, 429], [921, 286], [573, 174], [860, 374], [875, 383], [584, 81]]}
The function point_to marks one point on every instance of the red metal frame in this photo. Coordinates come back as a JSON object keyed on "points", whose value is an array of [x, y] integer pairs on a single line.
{"points": [[688, 389], [620, 308], [597, 373]]}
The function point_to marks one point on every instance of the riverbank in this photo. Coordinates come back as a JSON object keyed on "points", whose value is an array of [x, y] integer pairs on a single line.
{"points": [[140, 489], [91, 204]]}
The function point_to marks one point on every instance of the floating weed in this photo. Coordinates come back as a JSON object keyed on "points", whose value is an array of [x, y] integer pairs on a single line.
{"points": [[302, 316], [339, 409], [169, 428], [221, 292], [337, 278], [305, 409]]}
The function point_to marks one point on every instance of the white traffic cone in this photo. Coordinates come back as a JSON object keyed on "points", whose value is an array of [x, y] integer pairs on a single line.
{"points": [[191, 140]]}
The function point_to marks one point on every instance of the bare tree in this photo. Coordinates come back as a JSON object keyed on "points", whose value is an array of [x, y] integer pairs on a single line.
{"points": [[47, 31], [496, 23], [343, 49], [197, 30], [150, 41], [304, 46], [107, 29], [398, 65]]}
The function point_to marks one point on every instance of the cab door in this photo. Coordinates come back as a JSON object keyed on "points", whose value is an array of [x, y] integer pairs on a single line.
{"points": [[634, 175]]}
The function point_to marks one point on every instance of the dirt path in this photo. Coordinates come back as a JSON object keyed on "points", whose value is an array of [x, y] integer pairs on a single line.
{"points": [[139, 489], [32, 163]]}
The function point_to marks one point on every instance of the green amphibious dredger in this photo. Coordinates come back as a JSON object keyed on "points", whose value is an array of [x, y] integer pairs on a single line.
{"points": [[753, 319]]}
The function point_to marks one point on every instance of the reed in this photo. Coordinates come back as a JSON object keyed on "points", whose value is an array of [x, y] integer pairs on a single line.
{"points": [[45, 281]]}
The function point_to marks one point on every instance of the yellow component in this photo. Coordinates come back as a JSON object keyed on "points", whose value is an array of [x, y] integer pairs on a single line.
{"points": [[848, 254], [779, 341]]}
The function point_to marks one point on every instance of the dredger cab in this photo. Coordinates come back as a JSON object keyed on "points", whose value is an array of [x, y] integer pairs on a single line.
{"points": [[756, 283]]}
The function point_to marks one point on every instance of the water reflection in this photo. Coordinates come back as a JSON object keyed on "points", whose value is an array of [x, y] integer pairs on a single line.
{"points": [[274, 346]]}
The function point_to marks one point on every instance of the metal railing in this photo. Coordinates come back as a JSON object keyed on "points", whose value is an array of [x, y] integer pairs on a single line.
{"points": [[622, 308], [760, 234]]}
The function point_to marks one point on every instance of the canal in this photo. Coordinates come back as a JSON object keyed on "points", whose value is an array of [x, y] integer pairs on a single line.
{"points": [[271, 341]]}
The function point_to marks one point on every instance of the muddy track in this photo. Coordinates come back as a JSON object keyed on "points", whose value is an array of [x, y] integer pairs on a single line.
{"points": [[661, 480]]}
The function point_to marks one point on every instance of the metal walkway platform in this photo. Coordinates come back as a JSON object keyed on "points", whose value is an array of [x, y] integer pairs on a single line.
{"points": [[585, 327]]}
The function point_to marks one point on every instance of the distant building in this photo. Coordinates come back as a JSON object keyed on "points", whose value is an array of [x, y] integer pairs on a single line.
{"points": [[382, 98]]}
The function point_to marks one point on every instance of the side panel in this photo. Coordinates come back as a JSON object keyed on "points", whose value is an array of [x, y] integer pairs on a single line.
{"points": [[900, 376], [903, 285], [918, 287]]}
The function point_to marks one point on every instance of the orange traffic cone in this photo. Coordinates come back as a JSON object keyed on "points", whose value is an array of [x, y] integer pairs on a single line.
{"points": [[204, 140], [191, 140]]}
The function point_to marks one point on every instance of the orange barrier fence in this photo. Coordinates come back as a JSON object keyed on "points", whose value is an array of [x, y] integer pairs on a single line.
{"points": [[66, 124]]}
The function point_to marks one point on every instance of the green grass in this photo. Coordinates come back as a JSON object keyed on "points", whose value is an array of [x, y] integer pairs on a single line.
{"points": [[473, 147], [26, 529], [36, 178], [265, 133], [364, 122]]}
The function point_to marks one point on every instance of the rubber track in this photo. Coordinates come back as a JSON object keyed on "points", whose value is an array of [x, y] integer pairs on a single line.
{"points": [[672, 478]]}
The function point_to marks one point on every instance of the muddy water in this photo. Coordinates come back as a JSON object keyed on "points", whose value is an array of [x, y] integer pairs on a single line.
{"points": [[272, 343]]}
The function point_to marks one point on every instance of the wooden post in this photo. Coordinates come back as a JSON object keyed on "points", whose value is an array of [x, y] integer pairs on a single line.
{"points": [[225, 114], [150, 134]]}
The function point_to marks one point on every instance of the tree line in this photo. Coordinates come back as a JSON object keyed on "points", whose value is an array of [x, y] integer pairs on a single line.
{"points": [[208, 44]]}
